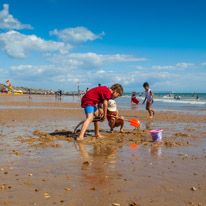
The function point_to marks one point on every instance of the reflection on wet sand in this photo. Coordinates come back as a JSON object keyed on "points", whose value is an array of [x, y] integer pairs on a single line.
{"points": [[99, 163], [156, 151], [149, 125]]}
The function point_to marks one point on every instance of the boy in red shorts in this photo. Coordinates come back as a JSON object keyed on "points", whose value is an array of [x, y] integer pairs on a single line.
{"points": [[98, 95]]}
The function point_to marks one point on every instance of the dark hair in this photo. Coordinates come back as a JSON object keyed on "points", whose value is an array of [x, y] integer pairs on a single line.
{"points": [[146, 84], [118, 88]]}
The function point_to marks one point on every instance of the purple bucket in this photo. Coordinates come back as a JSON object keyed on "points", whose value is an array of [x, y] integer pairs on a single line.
{"points": [[156, 135]]}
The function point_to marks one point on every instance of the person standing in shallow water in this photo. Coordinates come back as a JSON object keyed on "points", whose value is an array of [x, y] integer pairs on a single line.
{"points": [[149, 97]]}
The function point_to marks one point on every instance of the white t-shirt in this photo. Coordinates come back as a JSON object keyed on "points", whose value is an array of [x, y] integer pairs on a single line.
{"points": [[148, 95]]}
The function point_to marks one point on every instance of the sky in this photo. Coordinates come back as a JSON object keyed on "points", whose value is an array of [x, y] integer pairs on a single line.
{"points": [[54, 44]]}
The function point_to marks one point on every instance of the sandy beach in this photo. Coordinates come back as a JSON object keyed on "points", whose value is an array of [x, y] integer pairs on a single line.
{"points": [[42, 164]]}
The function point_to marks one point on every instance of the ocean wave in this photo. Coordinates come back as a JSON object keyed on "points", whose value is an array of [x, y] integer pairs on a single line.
{"points": [[168, 99], [181, 101]]}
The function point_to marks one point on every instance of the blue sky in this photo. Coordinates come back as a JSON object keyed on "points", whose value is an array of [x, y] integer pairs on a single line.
{"points": [[54, 44]]}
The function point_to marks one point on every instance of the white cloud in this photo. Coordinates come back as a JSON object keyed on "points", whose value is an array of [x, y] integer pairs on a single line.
{"points": [[63, 77], [77, 34], [100, 72], [138, 67], [127, 79], [36, 73], [178, 66], [7, 21], [157, 67], [90, 78], [47, 73], [32, 70], [67, 79], [90, 60], [203, 64], [184, 65], [18, 45], [110, 77]]}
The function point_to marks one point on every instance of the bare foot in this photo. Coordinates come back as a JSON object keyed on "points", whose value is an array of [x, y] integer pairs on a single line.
{"points": [[121, 131], [154, 112], [80, 138], [99, 136], [150, 117]]}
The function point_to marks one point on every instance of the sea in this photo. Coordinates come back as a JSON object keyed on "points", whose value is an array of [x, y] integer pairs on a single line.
{"points": [[163, 102]]}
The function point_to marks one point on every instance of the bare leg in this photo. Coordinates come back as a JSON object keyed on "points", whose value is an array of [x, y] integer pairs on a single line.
{"points": [[100, 112], [120, 122], [85, 154], [153, 111], [148, 105], [150, 112], [96, 125], [112, 125], [85, 126]]}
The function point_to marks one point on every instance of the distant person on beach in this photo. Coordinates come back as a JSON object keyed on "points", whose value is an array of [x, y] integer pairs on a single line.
{"points": [[112, 116], [29, 92], [177, 97], [134, 99], [60, 93], [99, 85], [149, 97], [80, 94], [97, 96], [197, 97]]}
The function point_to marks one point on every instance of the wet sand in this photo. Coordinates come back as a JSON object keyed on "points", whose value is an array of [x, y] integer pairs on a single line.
{"points": [[42, 164]]}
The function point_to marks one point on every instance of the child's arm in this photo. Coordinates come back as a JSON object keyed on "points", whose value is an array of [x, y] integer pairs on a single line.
{"points": [[152, 96], [105, 106], [144, 100], [100, 106]]}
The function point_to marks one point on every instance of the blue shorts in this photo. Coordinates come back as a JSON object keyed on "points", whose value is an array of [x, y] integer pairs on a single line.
{"points": [[90, 109]]}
